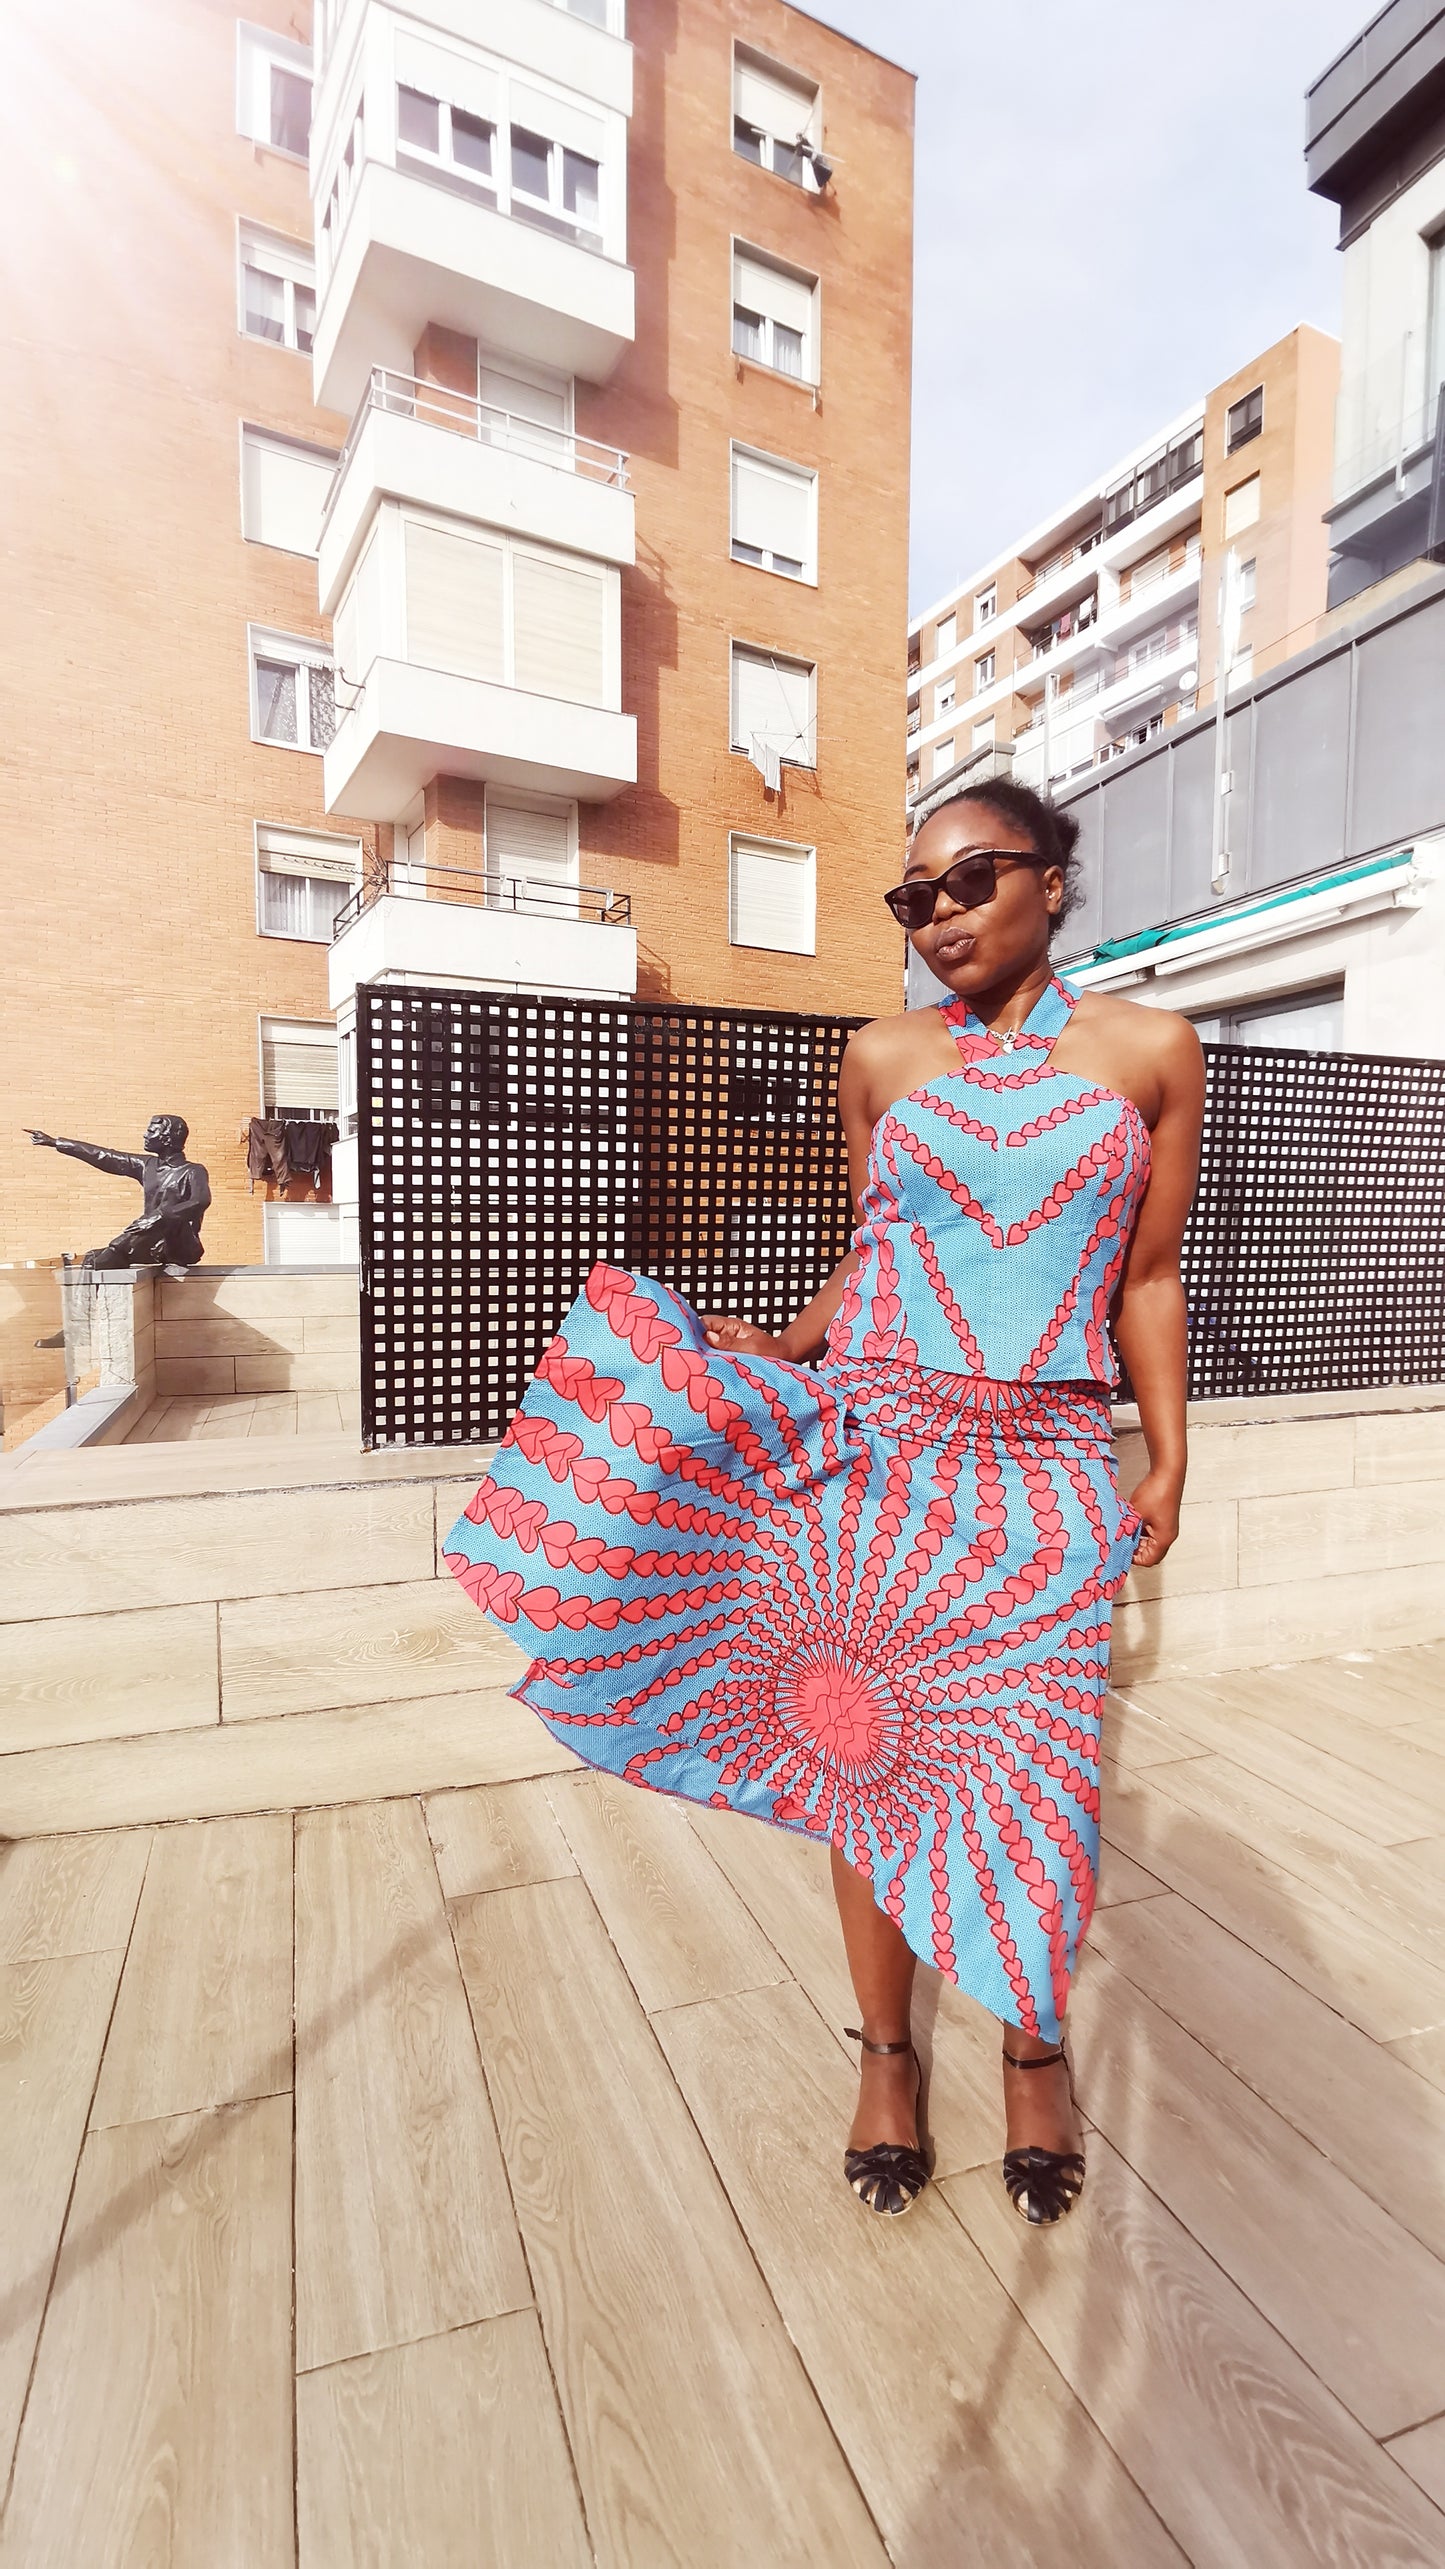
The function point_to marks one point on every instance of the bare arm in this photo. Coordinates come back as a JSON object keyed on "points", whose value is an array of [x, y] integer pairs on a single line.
{"points": [[1149, 1320], [805, 1334]]}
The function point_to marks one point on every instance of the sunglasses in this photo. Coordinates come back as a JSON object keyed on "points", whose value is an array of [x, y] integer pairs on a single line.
{"points": [[969, 883]]}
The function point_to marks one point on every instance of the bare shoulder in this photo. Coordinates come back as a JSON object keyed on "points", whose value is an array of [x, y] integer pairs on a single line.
{"points": [[1158, 1036], [882, 1042]]}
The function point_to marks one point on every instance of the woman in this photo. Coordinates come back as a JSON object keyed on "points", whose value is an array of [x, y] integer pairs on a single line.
{"points": [[872, 1601]]}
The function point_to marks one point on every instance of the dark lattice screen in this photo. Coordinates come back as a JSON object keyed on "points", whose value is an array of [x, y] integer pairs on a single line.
{"points": [[506, 1144], [1315, 1254]]}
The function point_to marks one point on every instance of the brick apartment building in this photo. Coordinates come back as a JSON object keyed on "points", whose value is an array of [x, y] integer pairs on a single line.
{"points": [[1101, 626], [436, 448]]}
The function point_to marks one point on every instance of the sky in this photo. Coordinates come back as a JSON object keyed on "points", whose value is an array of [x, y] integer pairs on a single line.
{"points": [[1111, 216]]}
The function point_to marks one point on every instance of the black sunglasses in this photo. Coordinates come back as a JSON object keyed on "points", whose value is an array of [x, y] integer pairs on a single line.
{"points": [[969, 883]]}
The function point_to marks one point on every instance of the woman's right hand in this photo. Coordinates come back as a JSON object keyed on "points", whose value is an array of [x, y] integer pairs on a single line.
{"points": [[740, 1338]]}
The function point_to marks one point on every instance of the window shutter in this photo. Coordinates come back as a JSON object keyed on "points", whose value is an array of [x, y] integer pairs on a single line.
{"points": [[767, 98], [772, 507], [767, 289], [772, 703], [559, 121], [527, 844], [453, 603], [1241, 507], [525, 401], [298, 1072], [557, 629], [283, 491], [771, 900], [302, 852], [429, 67]]}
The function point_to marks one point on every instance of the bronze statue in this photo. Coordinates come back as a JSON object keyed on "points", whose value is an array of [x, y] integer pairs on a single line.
{"points": [[176, 1192]]}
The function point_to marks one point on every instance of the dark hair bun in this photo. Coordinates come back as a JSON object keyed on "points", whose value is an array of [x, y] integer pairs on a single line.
{"points": [[1054, 835]]}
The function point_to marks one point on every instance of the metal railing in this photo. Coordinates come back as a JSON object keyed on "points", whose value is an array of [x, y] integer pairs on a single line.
{"points": [[463, 887], [464, 415], [1156, 568], [1042, 571]]}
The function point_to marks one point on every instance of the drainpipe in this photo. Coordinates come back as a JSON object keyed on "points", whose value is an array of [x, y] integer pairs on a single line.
{"points": [[1226, 647]]}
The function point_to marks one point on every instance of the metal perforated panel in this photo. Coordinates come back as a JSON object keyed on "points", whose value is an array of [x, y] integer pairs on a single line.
{"points": [[508, 1143], [1315, 1255]]}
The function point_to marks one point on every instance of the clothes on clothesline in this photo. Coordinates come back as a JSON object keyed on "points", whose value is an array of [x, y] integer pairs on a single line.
{"points": [[278, 1151]]}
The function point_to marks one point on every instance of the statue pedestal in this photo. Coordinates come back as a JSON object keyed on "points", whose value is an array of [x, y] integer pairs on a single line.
{"points": [[109, 1316]]}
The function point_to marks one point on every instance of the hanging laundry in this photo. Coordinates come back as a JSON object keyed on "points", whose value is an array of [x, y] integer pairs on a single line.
{"points": [[266, 1152], [308, 1148]]}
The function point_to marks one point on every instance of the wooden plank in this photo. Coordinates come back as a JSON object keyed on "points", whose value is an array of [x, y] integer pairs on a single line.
{"points": [[403, 2226], [1283, 1753], [204, 2012], [1370, 2114], [149, 1425], [1121, 1879], [680, 1928], [1424, 2053], [1422, 2454], [691, 2420], [107, 1676], [274, 1415], [1134, 1735], [364, 1645], [1305, 1933], [1244, 2454], [453, 2448], [159, 2421], [946, 2473], [1369, 2317], [318, 1413], [53, 2017], [69, 1895], [785, 1881], [1365, 1880], [224, 1418], [494, 1837], [357, 1754]]}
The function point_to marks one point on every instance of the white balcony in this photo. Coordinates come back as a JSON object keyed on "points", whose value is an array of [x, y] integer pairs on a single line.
{"points": [[477, 932], [409, 725], [1151, 598], [413, 251], [449, 452]]}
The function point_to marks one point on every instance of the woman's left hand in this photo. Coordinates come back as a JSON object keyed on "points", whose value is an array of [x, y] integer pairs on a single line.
{"points": [[1156, 1500]]}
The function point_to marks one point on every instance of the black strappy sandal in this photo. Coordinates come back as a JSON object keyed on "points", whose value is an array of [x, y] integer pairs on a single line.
{"points": [[888, 2177], [1043, 2185]]}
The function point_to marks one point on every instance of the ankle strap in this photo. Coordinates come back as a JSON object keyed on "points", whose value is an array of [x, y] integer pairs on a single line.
{"points": [[857, 2035], [1045, 2060]]}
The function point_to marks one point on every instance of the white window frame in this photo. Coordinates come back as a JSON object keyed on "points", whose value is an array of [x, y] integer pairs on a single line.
{"points": [[553, 205], [810, 375], [985, 606], [945, 697], [444, 157], [985, 733], [738, 643], [779, 468], [291, 264], [778, 152], [252, 432], [1248, 588], [318, 1031], [793, 852], [945, 635], [331, 847], [985, 670], [945, 755], [343, 188], [1234, 522], [259, 51], [299, 651], [556, 806], [512, 548]]}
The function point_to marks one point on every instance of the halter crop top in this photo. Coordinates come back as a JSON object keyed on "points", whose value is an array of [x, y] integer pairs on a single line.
{"points": [[997, 1213]]}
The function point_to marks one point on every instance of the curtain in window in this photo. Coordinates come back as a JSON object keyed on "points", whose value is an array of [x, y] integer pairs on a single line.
{"points": [[276, 700]]}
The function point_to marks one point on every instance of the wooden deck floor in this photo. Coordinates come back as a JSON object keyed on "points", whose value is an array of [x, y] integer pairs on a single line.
{"points": [[181, 1421], [456, 2182]]}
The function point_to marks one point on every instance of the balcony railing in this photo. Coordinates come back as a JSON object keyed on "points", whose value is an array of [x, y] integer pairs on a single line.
{"points": [[1042, 571], [486, 891], [1148, 574], [436, 406]]}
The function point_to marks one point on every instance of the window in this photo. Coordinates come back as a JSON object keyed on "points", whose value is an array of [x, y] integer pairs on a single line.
{"points": [[776, 121], [984, 732], [771, 895], [944, 697], [531, 846], [284, 484], [1244, 419], [277, 288], [983, 670], [1312, 1021], [303, 878], [985, 606], [772, 707], [432, 129], [293, 692], [299, 1069], [1241, 507], [1435, 325], [945, 636], [273, 90], [944, 753], [1241, 667], [551, 185], [774, 511], [487, 609], [775, 315], [1246, 586]]}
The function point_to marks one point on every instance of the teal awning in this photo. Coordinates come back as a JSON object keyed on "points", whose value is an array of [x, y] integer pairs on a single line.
{"points": [[1114, 949]]}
